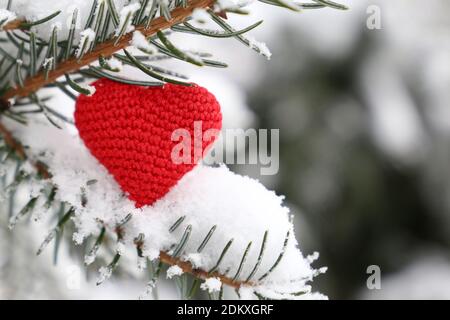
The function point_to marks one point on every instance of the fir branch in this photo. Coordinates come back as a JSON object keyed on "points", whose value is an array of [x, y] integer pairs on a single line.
{"points": [[13, 25], [200, 274], [164, 257], [19, 150], [22, 24], [12, 143], [106, 49]]}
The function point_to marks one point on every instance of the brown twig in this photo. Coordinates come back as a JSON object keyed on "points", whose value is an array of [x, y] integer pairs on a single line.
{"points": [[163, 256], [12, 143], [201, 274], [12, 25], [106, 49], [20, 151]]}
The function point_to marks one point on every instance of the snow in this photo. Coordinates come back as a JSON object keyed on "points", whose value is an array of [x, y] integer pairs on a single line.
{"points": [[313, 257], [47, 61], [260, 46], [115, 64], [3, 170], [246, 293], [148, 290], [200, 15], [240, 207], [90, 258], [278, 295], [34, 10], [140, 42], [104, 274], [89, 88], [195, 259], [141, 263], [211, 285], [6, 16], [126, 15], [174, 271], [223, 5], [87, 38], [193, 57]]}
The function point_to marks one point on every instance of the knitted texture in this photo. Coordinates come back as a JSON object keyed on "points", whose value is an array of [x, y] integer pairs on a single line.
{"points": [[129, 129]]}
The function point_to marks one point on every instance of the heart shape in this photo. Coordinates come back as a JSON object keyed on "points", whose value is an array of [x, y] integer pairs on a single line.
{"points": [[129, 129]]}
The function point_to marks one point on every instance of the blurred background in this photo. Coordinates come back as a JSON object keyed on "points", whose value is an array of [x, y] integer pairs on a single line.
{"points": [[361, 98], [364, 141]]}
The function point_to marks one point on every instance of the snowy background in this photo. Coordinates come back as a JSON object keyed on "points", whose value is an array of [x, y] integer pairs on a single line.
{"points": [[364, 124]]}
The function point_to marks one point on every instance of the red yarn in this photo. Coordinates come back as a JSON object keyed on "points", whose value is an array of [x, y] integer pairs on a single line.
{"points": [[128, 129]]}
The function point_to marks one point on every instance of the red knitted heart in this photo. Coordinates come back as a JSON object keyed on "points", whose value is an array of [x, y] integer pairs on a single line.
{"points": [[128, 129]]}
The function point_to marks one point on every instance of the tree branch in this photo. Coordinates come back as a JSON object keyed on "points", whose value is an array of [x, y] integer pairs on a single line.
{"points": [[20, 151], [12, 143], [12, 25], [106, 49], [201, 274], [163, 256]]}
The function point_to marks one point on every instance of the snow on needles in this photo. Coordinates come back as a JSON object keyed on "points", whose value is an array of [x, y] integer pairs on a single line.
{"points": [[211, 285], [174, 271], [6, 16], [34, 10], [125, 18], [87, 37], [240, 207], [140, 42], [261, 47]]}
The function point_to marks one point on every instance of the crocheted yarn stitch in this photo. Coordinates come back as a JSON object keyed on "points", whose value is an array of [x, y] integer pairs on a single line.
{"points": [[128, 129]]}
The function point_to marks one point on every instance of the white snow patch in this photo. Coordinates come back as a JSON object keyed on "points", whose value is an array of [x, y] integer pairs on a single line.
{"points": [[33, 10], [246, 293], [78, 238], [87, 38], [104, 274], [174, 271], [223, 5], [142, 263], [200, 15], [47, 61], [193, 56], [115, 64], [89, 259], [211, 285], [140, 42], [126, 18], [313, 257], [195, 259], [261, 47], [89, 88], [6, 16]]}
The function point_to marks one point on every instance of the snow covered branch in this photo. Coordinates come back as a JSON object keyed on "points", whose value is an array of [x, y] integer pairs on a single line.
{"points": [[12, 25], [19, 150], [105, 49], [164, 257], [176, 230]]}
